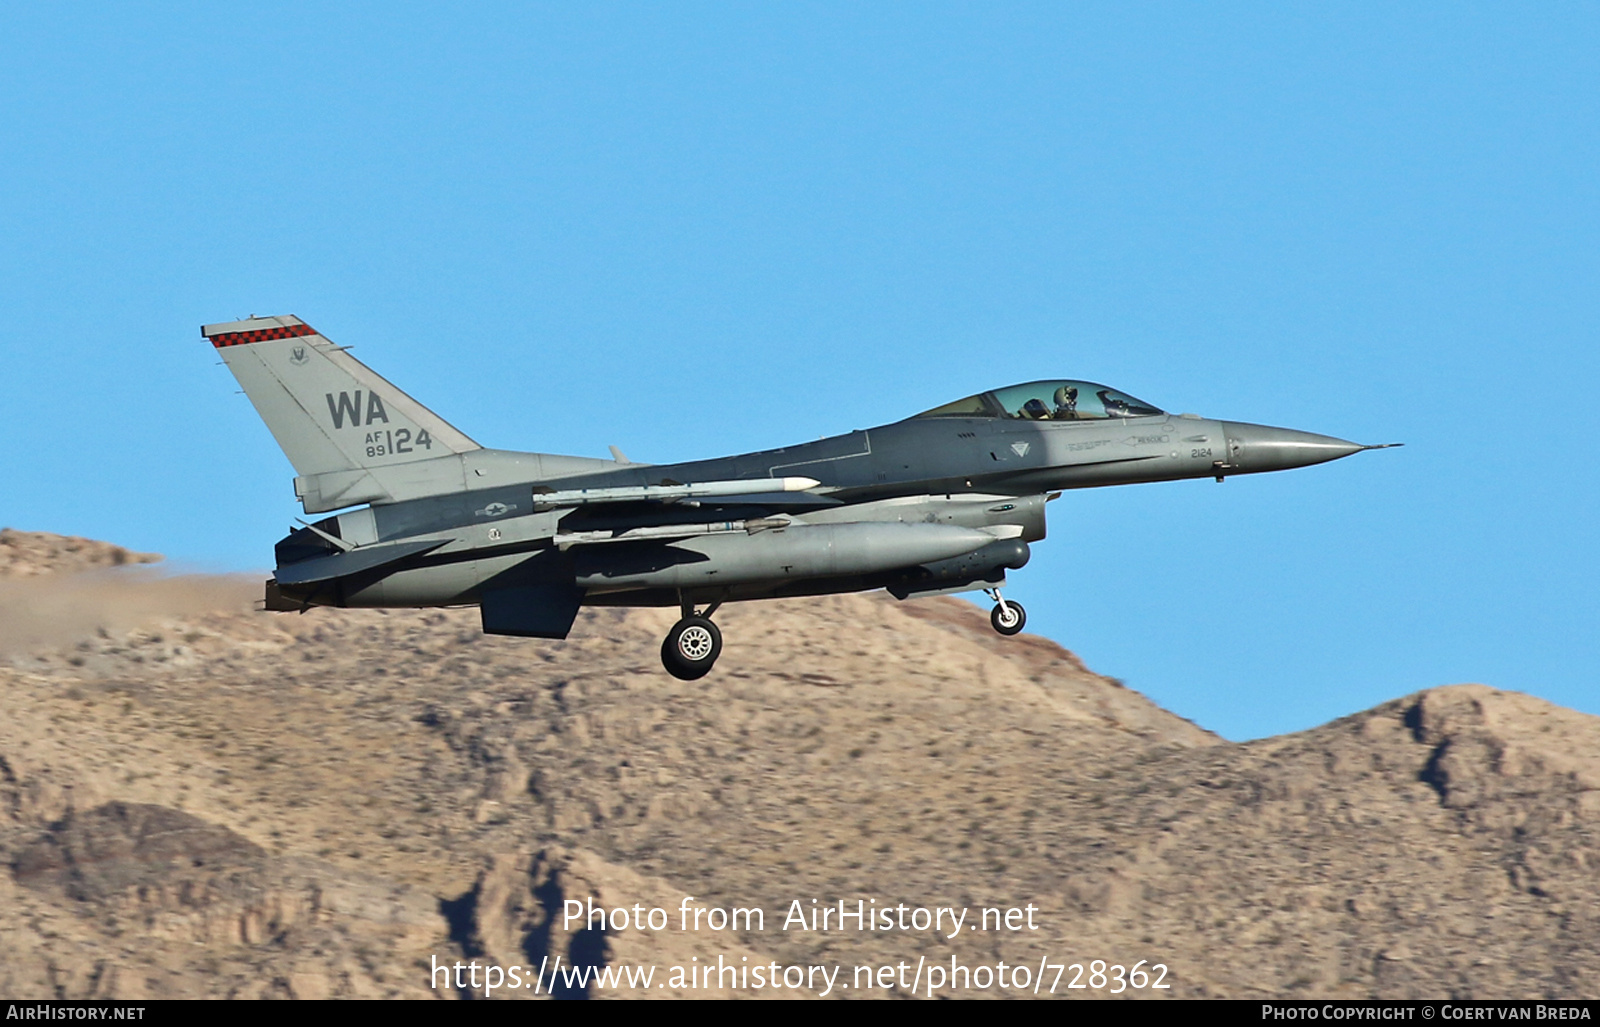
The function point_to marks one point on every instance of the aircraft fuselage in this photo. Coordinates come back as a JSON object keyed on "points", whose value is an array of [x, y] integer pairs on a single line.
{"points": [[969, 472]]}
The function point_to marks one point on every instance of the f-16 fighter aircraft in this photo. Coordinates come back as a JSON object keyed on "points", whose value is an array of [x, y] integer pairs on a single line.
{"points": [[946, 501]]}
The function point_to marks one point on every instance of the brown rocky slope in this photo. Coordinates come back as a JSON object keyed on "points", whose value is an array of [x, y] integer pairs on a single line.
{"points": [[214, 801]]}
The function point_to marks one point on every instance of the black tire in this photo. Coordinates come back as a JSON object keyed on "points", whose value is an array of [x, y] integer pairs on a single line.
{"points": [[1008, 625], [691, 648]]}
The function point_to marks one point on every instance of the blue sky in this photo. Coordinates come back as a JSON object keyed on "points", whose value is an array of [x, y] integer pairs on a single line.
{"points": [[697, 229]]}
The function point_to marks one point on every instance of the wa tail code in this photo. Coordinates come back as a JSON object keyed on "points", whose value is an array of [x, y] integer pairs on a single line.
{"points": [[348, 406]]}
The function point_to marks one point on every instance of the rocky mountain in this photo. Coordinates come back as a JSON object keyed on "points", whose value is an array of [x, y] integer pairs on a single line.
{"points": [[200, 799]]}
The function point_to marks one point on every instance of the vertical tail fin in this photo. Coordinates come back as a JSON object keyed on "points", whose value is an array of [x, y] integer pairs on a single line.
{"points": [[344, 427]]}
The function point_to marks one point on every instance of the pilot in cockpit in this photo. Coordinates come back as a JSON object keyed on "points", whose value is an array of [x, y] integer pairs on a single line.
{"points": [[1066, 403]]}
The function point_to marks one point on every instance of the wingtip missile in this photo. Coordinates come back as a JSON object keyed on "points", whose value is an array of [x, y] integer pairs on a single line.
{"points": [[669, 493]]}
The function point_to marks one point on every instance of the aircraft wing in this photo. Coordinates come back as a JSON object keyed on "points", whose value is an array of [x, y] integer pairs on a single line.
{"points": [[672, 510], [601, 526]]}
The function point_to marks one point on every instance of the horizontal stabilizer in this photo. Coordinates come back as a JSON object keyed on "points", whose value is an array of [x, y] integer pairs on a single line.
{"points": [[364, 558]]}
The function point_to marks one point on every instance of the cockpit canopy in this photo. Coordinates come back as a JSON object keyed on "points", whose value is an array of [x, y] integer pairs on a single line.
{"points": [[1048, 401]]}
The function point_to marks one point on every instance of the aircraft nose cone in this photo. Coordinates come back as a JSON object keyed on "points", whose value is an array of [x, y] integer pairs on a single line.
{"points": [[1256, 447]]}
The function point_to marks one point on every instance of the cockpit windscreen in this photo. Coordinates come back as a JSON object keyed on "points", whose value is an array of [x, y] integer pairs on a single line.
{"points": [[1048, 401]]}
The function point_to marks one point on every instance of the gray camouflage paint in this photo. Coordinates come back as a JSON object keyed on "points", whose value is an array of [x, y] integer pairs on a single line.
{"points": [[915, 506]]}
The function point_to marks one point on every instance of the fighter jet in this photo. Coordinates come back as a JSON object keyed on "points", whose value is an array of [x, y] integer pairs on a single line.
{"points": [[945, 501]]}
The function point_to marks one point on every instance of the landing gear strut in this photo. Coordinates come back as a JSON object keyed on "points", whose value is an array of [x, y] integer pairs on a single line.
{"points": [[1008, 616], [692, 646]]}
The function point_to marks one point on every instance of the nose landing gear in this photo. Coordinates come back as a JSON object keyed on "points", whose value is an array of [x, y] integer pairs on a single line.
{"points": [[1008, 616], [692, 646]]}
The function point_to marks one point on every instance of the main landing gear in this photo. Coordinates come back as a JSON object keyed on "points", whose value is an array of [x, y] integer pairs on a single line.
{"points": [[1008, 616], [692, 646]]}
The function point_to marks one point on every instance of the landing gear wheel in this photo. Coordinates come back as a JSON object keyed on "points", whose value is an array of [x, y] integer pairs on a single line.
{"points": [[1009, 618], [691, 648]]}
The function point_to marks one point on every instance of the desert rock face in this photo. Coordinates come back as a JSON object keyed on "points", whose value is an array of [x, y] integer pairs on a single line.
{"points": [[199, 799], [31, 553]]}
